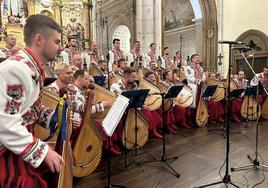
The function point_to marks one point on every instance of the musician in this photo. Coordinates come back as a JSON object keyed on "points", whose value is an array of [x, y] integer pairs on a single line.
{"points": [[195, 76], [135, 54], [71, 48], [77, 62], [151, 55], [177, 117], [64, 75], [76, 96], [178, 62], [153, 67], [127, 83], [22, 75], [263, 78], [166, 61], [237, 102], [94, 53], [115, 54], [102, 65], [122, 65], [10, 41], [241, 81]]}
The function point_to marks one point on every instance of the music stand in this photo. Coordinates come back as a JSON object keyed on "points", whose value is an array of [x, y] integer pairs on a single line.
{"points": [[209, 92], [48, 81], [236, 93], [172, 92], [100, 80], [136, 100], [109, 125]]}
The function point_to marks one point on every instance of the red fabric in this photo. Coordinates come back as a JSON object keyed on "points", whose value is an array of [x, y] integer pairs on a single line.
{"points": [[152, 119], [17, 173], [38, 63], [115, 137], [215, 110], [176, 116], [236, 105]]}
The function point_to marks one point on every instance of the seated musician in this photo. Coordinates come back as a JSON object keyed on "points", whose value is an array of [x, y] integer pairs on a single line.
{"points": [[22, 75], [263, 78], [122, 65], [153, 67], [77, 62], [237, 102], [102, 65], [215, 109], [76, 94], [178, 115], [64, 75], [127, 83]]}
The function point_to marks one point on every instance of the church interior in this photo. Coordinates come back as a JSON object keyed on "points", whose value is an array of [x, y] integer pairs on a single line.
{"points": [[180, 90]]}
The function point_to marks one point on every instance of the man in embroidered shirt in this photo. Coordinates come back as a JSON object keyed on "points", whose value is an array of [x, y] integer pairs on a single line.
{"points": [[77, 62], [64, 75], [10, 43], [21, 78], [115, 54], [127, 83]]}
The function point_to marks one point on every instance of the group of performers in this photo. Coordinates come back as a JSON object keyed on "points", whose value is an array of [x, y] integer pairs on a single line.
{"points": [[22, 75]]}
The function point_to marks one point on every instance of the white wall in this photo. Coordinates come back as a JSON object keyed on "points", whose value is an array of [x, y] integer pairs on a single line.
{"points": [[237, 17]]}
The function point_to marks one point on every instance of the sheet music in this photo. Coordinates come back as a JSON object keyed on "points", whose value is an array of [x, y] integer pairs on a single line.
{"points": [[113, 117]]}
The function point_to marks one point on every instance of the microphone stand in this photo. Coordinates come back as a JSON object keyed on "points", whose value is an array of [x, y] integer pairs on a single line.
{"points": [[227, 178], [108, 56], [255, 163]]}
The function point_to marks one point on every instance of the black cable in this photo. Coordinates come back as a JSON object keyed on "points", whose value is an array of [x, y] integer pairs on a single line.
{"points": [[221, 169]]}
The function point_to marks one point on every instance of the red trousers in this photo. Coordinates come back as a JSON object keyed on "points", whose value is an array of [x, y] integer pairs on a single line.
{"points": [[215, 110], [14, 172], [174, 116], [154, 119]]}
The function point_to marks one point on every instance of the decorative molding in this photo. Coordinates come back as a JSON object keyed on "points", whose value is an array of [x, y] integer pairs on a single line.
{"points": [[259, 38], [210, 28]]}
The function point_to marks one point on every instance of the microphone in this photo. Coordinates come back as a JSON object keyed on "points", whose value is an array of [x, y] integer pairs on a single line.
{"points": [[230, 42], [243, 49]]}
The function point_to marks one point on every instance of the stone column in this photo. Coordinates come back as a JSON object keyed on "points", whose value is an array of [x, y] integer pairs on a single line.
{"points": [[148, 22]]}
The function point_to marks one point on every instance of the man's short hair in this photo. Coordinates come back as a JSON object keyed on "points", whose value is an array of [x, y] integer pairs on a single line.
{"points": [[39, 24], [121, 60], [60, 67], [152, 44], [193, 56], [78, 73], [165, 73], [116, 39], [166, 48], [128, 71], [148, 73]]}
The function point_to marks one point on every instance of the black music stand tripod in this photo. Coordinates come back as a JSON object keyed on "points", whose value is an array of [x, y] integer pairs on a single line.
{"points": [[136, 101], [172, 92], [227, 178]]}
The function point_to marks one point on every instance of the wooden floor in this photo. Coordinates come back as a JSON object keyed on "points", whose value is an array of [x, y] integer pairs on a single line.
{"points": [[200, 155]]}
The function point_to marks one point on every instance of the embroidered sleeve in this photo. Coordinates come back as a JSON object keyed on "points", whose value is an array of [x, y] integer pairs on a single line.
{"points": [[53, 87], [115, 88], [15, 88], [189, 74], [97, 108], [45, 116], [76, 99]]}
